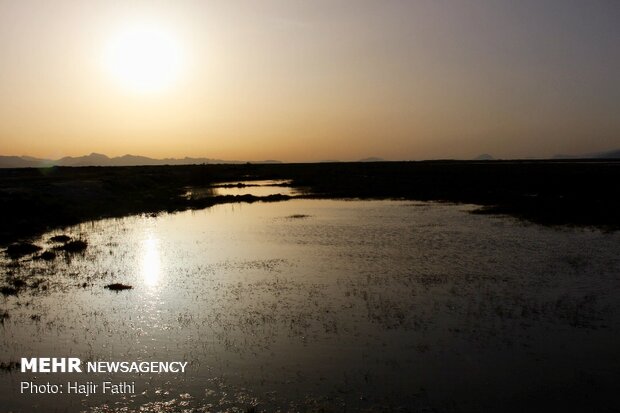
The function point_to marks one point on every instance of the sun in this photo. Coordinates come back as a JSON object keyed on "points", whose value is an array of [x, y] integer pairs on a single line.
{"points": [[144, 58]]}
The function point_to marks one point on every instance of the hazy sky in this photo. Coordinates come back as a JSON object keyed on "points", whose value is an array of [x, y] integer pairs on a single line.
{"points": [[309, 80]]}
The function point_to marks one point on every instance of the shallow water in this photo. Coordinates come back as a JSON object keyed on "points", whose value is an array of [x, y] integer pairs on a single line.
{"points": [[323, 305], [258, 188], [255, 188]]}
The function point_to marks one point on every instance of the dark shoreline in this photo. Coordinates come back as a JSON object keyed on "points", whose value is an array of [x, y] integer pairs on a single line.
{"points": [[563, 192]]}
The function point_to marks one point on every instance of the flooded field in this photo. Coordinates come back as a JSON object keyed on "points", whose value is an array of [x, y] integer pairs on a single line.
{"points": [[323, 305]]}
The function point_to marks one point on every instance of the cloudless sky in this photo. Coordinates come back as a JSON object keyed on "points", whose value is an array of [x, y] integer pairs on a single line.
{"points": [[312, 80]]}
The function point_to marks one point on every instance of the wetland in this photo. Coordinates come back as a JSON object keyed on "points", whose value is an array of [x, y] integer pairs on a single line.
{"points": [[330, 300]]}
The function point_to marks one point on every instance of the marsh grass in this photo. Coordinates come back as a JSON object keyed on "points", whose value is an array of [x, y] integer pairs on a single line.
{"points": [[567, 192]]}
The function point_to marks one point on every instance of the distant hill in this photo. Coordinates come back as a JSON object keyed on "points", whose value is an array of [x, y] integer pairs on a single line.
{"points": [[614, 154], [372, 159], [18, 162], [97, 159], [484, 157]]}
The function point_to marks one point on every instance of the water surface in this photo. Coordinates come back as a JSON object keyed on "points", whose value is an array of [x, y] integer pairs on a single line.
{"points": [[320, 304]]}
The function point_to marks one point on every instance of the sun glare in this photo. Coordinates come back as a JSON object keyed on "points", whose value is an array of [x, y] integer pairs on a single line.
{"points": [[144, 58], [151, 262]]}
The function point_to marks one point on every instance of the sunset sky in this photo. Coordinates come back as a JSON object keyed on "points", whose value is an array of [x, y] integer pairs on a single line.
{"points": [[309, 80]]}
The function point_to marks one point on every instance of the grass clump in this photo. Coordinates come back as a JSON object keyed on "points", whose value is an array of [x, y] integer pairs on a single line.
{"points": [[20, 249], [118, 287], [4, 315], [47, 255], [74, 246], [60, 238], [6, 291], [9, 367]]}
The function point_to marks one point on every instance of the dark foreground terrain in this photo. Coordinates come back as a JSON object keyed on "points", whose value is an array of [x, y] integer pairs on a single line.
{"points": [[583, 193]]}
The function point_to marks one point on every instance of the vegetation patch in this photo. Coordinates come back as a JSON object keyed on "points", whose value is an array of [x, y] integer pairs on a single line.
{"points": [[548, 192], [20, 249], [18, 283], [118, 287], [6, 291], [47, 255], [9, 366], [60, 238], [74, 246]]}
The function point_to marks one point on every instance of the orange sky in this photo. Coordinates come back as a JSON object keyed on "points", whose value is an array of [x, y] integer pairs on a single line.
{"points": [[307, 81]]}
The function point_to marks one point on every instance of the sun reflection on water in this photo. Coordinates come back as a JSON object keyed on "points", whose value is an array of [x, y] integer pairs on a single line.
{"points": [[151, 261]]}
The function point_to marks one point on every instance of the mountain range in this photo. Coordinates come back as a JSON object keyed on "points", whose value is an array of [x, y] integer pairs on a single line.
{"points": [[97, 159], [615, 154]]}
